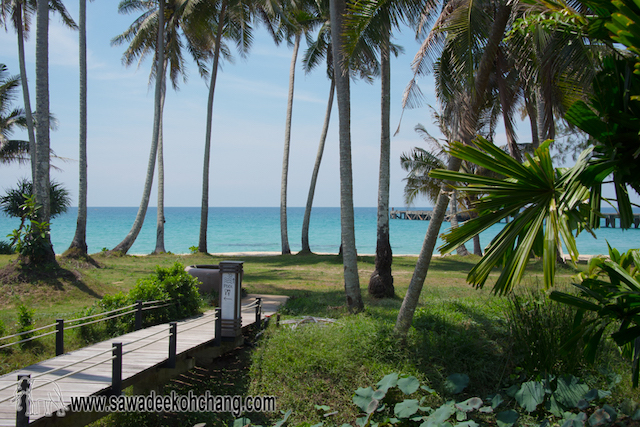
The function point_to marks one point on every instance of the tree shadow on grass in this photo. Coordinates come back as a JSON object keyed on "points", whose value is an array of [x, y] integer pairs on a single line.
{"points": [[52, 275]]}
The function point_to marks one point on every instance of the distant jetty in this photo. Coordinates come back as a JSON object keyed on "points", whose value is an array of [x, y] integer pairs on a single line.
{"points": [[421, 215], [424, 215]]}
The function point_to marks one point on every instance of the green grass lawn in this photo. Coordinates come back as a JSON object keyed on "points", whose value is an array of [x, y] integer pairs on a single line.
{"points": [[456, 329]]}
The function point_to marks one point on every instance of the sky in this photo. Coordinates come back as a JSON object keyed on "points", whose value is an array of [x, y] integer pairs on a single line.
{"points": [[248, 125]]}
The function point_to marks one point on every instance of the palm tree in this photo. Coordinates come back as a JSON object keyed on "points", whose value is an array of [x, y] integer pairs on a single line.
{"points": [[79, 242], [20, 13], [299, 19], [365, 66], [375, 21], [341, 77], [141, 33], [11, 150], [225, 19], [477, 75]]}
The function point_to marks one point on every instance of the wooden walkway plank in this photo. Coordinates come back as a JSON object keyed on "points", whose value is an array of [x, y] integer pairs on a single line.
{"points": [[140, 354]]}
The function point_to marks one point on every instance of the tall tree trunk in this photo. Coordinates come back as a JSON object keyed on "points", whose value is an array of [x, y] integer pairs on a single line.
{"points": [[381, 281], [204, 209], [284, 235], [314, 175], [453, 219], [410, 301], [79, 242], [341, 76], [17, 16], [533, 119], [505, 104], [41, 179], [128, 241], [160, 214]]}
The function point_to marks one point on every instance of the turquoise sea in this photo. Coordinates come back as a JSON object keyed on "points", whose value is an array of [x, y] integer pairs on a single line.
{"points": [[258, 230]]}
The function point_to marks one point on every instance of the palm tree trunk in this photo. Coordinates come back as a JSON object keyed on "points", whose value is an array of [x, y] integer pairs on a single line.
{"points": [[204, 210], [314, 175], [410, 301], [381, 281], [160, 218], [25, 86], [533, 119], [130, 238], [462, 249], [341, 76], [284, 235], [79, 242], [41, 179], [504, 103]]}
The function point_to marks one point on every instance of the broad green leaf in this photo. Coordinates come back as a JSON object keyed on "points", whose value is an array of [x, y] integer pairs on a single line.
{"points": [[406, 408], [507, 418], [530, 395], [497, 400], [363, 397], [241, 422], [455, 383], [408, 385], [570, 391], [388, 381]]}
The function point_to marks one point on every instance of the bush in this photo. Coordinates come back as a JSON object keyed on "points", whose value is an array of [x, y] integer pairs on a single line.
{"points": [[5, 248], [540, 327], [25, 323]]}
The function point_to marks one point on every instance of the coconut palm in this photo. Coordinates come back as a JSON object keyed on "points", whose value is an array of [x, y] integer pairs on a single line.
{"points": [[227, 19], [490, 26], [79, 242], [19, 12], [144, 37], [341, 77], [364, 67], [300, 19], [11, 150], [149, 26], [375, 21]]}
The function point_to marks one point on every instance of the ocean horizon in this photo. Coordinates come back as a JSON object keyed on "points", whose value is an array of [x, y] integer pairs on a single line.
{"points": [[257, 229]]}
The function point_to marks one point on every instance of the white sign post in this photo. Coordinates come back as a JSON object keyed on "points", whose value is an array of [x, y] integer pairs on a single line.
{"points": [[230, 304]]}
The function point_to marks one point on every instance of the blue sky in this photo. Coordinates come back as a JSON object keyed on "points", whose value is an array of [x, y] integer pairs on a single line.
{"points": [[248, 125]]}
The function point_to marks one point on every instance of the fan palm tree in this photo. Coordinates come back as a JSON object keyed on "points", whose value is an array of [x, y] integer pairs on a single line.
{"points": [[227, 19], [19, 12]]}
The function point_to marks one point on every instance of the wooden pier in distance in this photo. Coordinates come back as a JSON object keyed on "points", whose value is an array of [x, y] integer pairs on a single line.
{"points": [[610, 220]]}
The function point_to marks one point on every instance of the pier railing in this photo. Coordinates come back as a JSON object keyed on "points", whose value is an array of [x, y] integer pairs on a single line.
{"points": [[25, 381]]}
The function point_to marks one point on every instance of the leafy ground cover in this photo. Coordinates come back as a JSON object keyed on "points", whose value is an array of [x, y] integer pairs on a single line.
{"points": [[457, 330]]}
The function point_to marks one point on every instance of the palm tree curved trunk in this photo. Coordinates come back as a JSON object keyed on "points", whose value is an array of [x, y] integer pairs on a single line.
{"points": [[130, 238], [410, 301], [381, 281], [79, 242], [462, 249], [284, 235], [41, 179], [204, 209], [341, 76], [314, 175], [25, 86]]}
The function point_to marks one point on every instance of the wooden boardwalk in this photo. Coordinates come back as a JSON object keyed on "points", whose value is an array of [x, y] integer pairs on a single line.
{"points": [[144, 353]]}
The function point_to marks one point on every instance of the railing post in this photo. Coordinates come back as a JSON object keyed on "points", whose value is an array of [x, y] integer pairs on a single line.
{"points": [[258, 310], [138, 315], [218, 337], [22, 408], [116, 369], [173, 341], [59, 337]]}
